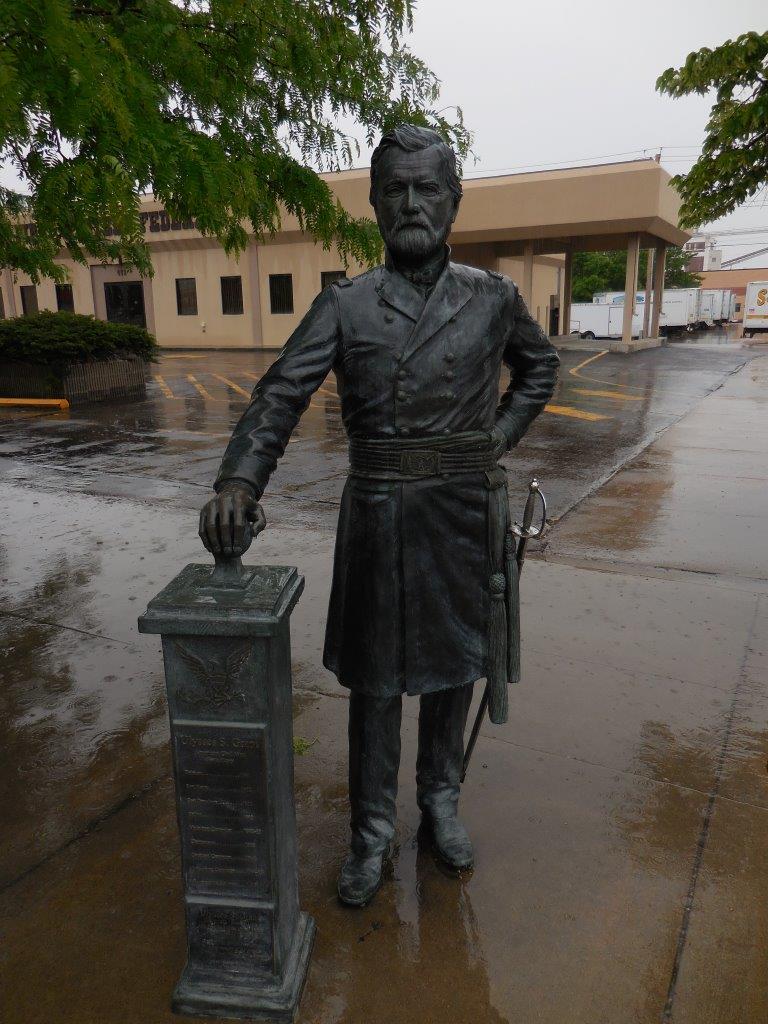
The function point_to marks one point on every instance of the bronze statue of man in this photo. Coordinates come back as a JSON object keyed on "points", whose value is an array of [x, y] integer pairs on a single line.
{"points": [[417, 347]]}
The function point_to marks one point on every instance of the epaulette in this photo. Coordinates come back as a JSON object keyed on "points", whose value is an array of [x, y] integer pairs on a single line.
{"points": [[496, 274], [343, 282]]}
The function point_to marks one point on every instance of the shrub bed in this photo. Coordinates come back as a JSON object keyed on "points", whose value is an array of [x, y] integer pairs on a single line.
{"points": [[56, 340], [67, 355]]}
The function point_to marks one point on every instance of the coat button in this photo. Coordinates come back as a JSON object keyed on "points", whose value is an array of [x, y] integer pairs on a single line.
{"points": [[402, 395], [449, 375], [402, 374], [449, 357], [388, 318], [382, 302], [446, 430], [448, 395], [403, 431]]}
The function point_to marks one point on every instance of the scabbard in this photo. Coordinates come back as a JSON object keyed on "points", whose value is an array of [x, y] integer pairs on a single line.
{"points": [[513, 608], [498, 626]]}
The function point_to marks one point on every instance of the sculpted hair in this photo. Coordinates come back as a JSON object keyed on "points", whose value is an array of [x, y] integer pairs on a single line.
{"points": [[411, 138]]}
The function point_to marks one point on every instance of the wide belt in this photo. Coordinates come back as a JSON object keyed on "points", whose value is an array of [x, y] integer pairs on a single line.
{"points": [[413, 459]]}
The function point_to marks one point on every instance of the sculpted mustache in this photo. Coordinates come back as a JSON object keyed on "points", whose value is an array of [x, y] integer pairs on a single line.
{"points": [[401, 224]]}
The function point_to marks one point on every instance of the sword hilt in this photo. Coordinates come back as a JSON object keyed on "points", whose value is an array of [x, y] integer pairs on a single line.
{"points": [[526, 531]]}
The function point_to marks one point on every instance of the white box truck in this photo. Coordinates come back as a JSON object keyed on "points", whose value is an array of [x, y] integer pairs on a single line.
{"points": [[720, 302], [710, 304], [602, 320], [679, 310], [679, 307], [756, 309]]}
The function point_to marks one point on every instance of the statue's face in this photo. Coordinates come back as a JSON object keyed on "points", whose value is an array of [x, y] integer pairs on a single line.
{"points": [[414, 206]]}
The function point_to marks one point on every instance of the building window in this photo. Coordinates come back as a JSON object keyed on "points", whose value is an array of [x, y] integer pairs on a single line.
{"points": [[186, 296], [65, 300], [232, 295], [28, 299], [329, 276], [281, 293]]}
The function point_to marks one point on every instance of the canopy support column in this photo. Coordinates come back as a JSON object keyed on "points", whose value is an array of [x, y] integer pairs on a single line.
{"points": [[630, 286], [526, 289], [648, 295], [565, 305], [659, 266]]}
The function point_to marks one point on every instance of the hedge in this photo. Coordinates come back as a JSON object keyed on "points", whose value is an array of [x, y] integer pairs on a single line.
{"points": [[58, 339]]}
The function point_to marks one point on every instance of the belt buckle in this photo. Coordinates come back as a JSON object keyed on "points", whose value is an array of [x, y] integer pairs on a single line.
{"points": [[416, 463]]}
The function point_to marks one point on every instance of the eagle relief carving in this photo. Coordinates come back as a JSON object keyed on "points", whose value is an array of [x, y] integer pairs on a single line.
{"points": [[218, 680]]}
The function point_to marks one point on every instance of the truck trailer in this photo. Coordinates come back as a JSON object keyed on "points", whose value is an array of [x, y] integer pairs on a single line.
{"points": [[602, 320], [756, 309], [720, 302], [679, 307]]}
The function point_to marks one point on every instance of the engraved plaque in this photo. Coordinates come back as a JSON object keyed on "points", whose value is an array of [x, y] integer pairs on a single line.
{"points": [[236, 939], [222, 784]]}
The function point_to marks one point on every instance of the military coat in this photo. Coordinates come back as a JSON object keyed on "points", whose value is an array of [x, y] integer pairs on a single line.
{"points": [[410, 595]]}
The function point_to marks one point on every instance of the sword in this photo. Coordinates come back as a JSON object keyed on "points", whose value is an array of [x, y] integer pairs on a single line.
{"points": [[523, 534]]}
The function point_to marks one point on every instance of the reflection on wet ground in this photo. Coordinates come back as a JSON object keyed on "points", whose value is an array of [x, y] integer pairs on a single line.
{"points": [[605, 409], [619, 817]]}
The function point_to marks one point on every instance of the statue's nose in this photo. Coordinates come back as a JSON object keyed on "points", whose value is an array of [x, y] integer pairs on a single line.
{"points": [[411, 199]]}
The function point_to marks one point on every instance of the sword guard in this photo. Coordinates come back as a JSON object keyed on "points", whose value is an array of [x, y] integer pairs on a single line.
{"points": [[527, 531]]}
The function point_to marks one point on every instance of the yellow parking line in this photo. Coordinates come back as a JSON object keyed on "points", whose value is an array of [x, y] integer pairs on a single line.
{"points": [[44, 403], [575, 414], [163, 386], [194, 381], [231, 384], [607, 394], [574, 371]]}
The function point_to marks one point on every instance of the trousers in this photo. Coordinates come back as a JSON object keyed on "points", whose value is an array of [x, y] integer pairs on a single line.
{"points": [[374, 760]]}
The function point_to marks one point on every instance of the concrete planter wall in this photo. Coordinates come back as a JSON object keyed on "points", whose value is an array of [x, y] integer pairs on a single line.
{"points": [[80, 383]]}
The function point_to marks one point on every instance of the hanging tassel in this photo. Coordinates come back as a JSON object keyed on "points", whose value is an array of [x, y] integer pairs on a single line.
{"points": [[498, 701]]}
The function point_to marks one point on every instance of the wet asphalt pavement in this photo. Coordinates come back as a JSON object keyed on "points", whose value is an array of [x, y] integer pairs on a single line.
{"points": [[168, 447], [620, 817]]}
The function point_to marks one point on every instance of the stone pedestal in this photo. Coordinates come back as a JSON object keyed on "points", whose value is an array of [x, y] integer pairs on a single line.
{"points": [[226, 646]]}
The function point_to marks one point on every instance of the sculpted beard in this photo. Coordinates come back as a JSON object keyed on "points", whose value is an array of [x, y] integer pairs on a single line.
{"points": [[413, 239]]}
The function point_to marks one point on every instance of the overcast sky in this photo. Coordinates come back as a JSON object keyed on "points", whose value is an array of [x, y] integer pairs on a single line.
{"points": [[559, 82]]}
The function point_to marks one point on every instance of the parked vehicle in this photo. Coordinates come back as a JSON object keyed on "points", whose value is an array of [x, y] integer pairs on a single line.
{"points": [[679, 310], [756, 309], [602, 320], [720, 302], [679, 307], [710, 303]]}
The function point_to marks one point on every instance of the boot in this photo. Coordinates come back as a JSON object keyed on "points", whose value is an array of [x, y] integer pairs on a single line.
{"points": [[442, 720], [374, 758]]}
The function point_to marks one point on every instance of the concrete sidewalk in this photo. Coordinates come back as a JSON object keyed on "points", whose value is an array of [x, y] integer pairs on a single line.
{"points": [[620, 818]]}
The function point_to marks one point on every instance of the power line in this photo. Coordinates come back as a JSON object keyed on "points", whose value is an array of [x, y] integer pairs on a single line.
{"points": [[640, 152]]}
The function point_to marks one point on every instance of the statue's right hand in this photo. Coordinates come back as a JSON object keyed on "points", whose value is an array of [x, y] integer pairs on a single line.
{"points": [[231, 520]]}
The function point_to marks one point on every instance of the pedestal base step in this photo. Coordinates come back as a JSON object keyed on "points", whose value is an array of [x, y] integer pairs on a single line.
{"points": [[204, 993]]}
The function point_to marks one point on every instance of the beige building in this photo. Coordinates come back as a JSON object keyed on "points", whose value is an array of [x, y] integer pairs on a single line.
{"points": [[524, 225]]}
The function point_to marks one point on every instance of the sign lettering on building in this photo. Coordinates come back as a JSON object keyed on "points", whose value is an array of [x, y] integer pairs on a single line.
{"points": [[152, 221]]}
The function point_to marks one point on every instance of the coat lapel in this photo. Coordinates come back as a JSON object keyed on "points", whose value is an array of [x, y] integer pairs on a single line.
{"points": [[450, 294], [401, 295]]}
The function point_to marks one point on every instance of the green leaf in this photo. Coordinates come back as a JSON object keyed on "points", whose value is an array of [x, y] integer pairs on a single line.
{"points": [[224, 110]]}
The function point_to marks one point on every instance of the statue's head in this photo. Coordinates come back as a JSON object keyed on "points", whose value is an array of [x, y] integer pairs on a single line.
{"points": [[415, 192]]}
